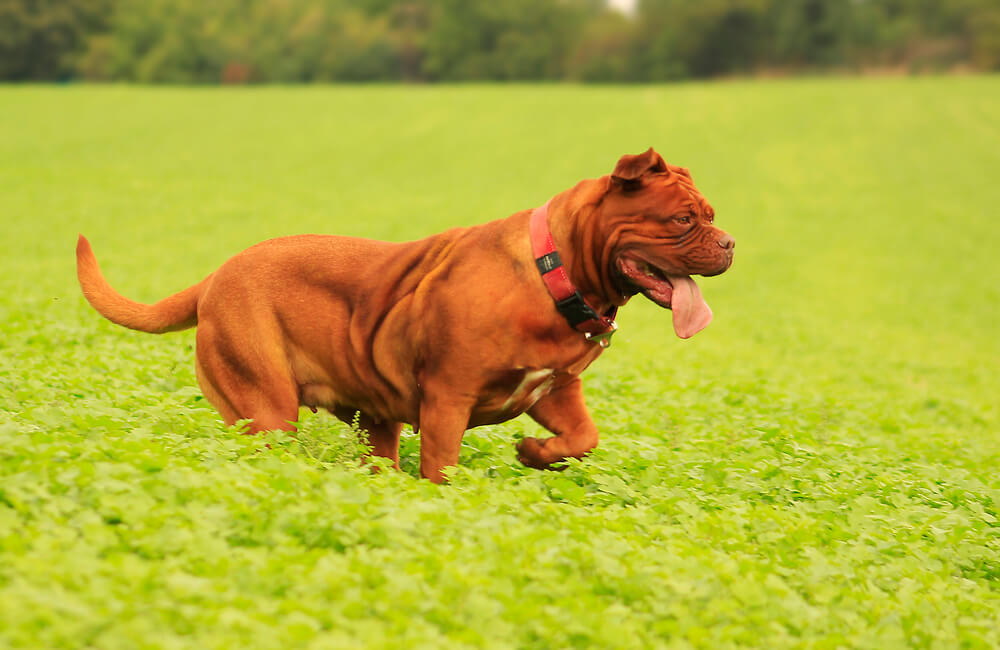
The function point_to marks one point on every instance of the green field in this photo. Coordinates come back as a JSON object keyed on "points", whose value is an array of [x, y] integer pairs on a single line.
{"points": [[818, 468]]}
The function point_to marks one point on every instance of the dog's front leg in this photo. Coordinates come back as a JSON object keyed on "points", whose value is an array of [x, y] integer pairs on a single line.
{"points": [[563, 413], [442, 424]]}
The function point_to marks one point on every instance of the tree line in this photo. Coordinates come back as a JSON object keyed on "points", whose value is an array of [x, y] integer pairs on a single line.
{"points": [[282, 41]]}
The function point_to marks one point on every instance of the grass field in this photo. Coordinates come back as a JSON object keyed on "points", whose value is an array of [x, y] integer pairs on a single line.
{"points": [[816, 469]]}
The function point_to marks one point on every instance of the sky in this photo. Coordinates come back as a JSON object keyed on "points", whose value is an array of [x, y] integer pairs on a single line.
{"points": [[626, 6]]}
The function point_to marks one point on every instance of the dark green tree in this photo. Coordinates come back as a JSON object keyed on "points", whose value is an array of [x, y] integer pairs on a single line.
{"points": [[41, 39], [515, 39]]}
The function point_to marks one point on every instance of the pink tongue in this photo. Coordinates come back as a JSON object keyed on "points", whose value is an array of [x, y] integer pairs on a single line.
{"points": [[691, 312]]}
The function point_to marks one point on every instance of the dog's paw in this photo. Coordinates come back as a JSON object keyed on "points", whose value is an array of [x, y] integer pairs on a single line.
{"points": [[531, 453]]}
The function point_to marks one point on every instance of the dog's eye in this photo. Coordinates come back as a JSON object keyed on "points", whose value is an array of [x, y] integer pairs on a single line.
{"points": [[682, 219]]}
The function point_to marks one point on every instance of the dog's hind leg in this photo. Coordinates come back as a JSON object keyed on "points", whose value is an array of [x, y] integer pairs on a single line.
{"points": [[214, 397], [245, 384], [382, 436]]}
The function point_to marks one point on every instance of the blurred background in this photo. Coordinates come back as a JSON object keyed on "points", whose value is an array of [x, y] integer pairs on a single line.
{"points": [[293, 41]]}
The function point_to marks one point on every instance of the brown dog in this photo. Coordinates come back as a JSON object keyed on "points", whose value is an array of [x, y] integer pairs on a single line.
{"points": [[468, 327]]}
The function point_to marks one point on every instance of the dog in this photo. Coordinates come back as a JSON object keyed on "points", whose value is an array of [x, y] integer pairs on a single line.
{"points": [[468, 327]]}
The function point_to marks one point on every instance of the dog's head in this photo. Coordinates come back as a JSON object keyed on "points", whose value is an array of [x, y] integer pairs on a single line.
{"points": [[661, 231]]}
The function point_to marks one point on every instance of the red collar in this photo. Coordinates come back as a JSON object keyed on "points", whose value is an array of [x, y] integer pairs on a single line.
{"points": [[569, 301]]}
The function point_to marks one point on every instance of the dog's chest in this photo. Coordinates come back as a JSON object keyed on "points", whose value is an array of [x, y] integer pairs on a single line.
{"points": [[532, 387], [511, 394]]}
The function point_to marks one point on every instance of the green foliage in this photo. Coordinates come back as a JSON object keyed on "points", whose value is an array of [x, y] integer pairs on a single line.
{"points": [[816, 469], [518, 39], [40, 39], [240, 41]]}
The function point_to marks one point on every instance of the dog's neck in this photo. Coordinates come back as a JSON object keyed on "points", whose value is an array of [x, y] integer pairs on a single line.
{"points": [[578, 245], [597, 326]]}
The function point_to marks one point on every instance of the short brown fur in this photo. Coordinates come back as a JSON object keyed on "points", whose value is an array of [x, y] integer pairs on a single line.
{"points": [[445, 333]]}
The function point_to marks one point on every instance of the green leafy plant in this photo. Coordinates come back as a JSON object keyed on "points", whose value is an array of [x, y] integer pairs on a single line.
{"points": [[816, 469]]}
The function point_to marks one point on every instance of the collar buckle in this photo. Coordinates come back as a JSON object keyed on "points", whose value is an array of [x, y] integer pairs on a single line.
{"points": [[603, 338]]}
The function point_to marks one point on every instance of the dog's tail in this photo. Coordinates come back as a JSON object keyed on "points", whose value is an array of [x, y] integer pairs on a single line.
{"points": [[177, 312]]}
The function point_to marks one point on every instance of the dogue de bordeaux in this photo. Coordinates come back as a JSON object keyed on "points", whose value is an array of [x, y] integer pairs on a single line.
{"points": [[468, 327]]}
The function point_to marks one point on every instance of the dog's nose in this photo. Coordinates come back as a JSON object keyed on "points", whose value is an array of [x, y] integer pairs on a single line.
{"points": [[727, 242]]}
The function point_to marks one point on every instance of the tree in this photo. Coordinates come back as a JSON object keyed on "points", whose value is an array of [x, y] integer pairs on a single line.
{"points": [[515, 39], [40, 39]]}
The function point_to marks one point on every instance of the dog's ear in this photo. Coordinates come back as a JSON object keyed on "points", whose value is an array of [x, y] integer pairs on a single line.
{"points": [[630, 169]]}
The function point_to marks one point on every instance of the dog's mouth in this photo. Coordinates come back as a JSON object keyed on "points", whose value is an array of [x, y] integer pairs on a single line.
{"points": [[678, 293]]}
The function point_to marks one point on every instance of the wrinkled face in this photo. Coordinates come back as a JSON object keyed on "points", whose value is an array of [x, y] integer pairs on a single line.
{"points": [[664, 233]]}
